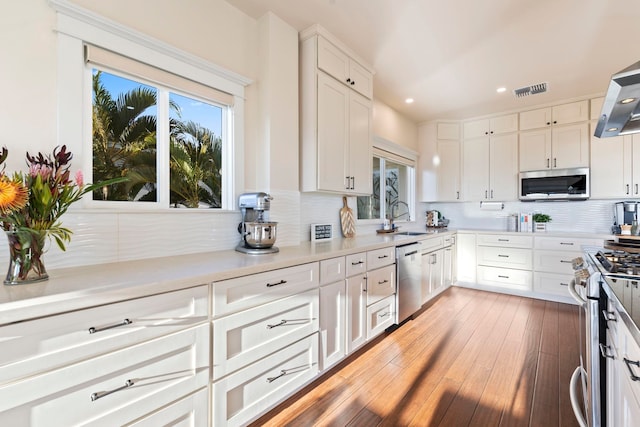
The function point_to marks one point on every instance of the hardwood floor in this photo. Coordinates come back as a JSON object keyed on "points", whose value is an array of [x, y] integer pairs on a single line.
{"points": [[472, 358]]}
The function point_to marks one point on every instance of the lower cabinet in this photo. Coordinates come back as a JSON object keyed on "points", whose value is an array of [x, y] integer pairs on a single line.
{"points": [[113, 389], [505, 261], [380, 315], [356, 313], [244, 395], [333, 327]]}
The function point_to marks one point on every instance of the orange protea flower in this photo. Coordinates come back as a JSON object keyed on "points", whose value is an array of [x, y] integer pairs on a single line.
{"points": [[13, 196]]}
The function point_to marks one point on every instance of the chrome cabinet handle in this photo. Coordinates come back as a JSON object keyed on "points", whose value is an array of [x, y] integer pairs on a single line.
{"points": [[492, 194], [353, 180], [555, 164], [609, 316], [548, 164], [357, 263], [567, 243], [383, 282], [283, 372], [386, 256], [603, 351], [627, 188], [384, 314], [281, 282], [282, 323], [457, 195], [628, 362], [564, 284], [636, 188], [503, 240], [100, 394], [503, 277], [93, 330], [566, 262], [503, 256], [486, 195], [347, 179]]}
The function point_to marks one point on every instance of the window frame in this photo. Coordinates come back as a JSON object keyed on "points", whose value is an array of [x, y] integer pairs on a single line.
{"points": [[76, 27], [389, 151]]}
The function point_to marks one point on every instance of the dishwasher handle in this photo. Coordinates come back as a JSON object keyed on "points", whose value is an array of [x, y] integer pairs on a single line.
{"points": [[411, 253]]}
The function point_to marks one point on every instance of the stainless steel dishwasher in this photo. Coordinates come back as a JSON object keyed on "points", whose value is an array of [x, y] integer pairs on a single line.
{"points": [[409, 274]]}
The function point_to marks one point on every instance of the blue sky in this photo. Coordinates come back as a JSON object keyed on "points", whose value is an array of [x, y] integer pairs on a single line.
{"points": [[206, 115]]}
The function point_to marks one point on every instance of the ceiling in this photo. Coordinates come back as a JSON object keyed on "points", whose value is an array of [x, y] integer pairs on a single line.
{"points": [[451, 56]]}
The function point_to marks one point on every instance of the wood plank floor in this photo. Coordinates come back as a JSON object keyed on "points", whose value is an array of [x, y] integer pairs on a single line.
{"points": [[472, 358]]}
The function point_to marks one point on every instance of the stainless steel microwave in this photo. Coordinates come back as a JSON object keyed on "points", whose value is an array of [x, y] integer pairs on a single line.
{"points": [[554, 184]]}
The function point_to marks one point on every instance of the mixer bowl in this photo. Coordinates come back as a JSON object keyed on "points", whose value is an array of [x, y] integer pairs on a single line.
{"points": [[260, 234]]}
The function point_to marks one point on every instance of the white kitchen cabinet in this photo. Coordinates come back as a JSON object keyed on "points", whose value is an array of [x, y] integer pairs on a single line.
{"points": [[381, 283], [448, 131], [244, 395], [35, 346], [381, 257], [335, 121], [560, 147], [552, 262], [490, 168], [466, 257], [333, 301], [356, 311], [380, 315], [244, 292], [505, 261], [449, 171], [615, 166], [563, 114], [244, 337], [343, 68], [491, 126], [449, 268], [432, 253], [113, 389]]}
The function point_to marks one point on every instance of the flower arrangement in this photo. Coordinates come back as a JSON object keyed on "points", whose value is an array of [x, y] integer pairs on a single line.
{"points": [[31, 204]]}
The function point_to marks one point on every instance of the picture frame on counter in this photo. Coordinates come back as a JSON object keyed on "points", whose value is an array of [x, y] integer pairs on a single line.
{"points": [[321, 232]]}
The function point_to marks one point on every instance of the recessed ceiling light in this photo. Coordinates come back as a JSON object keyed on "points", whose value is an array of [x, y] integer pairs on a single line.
{"points": [[409, 100], [627, 100], [501, 89]]}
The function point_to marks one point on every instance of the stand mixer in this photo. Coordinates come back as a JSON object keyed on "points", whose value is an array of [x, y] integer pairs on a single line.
{"points": [[258, 234]]}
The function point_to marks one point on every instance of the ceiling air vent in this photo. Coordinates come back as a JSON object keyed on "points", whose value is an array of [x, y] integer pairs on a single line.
{"points": [[530, 90]]}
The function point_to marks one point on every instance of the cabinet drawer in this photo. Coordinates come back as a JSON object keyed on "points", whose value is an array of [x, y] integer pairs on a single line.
{"points": [[564, 243], [448, 241], [95, 392], [380, 316], [381, 257], [506, 240], [40, 345], [249, 392], [554, 261], [631, 351], [193, 410], [505, 257], [381, 283], [505, 278], [249, 291], [551, 283], [244, 337], [356, 264], [332, 270], [432, 244]]}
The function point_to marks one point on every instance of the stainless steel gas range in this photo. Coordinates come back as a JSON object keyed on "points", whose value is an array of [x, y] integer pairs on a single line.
{"points": [[602, 278]]}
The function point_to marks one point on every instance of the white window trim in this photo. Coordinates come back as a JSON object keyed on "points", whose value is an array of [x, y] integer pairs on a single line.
{"points": [[400, 154], [76, 26]]}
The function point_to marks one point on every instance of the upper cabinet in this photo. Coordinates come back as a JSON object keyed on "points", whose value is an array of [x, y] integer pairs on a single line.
{"points": [[490, 159], [335, 117], [493, 126], [573, 112], [343, 68], [555, 137]]}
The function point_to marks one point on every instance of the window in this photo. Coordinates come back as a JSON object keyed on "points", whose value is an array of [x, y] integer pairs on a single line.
{"points": [[169, 142], [393, 189]]}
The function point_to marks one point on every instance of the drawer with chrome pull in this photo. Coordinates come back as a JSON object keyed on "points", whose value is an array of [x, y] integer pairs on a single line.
{"points": [[381, 257], [356, 263], [504, 257], [38, 345], [552, 283], [242, 338], [381, 283], [380, 316], [505, 277], [243, 395], [244, 292], [554, 261], [113, 389]]}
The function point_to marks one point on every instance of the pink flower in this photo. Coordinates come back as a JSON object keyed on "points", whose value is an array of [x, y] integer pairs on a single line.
{"points": [[79, 179], [39, 169]]}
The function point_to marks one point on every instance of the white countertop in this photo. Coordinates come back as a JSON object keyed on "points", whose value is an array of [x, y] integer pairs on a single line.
{"points": [[82, 287]]}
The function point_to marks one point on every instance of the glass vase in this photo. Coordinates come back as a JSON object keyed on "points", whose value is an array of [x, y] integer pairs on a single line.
{"points": [[26, 248]]}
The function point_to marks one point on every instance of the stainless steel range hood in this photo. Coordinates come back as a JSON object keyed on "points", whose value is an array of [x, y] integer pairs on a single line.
{"points": [[621, 109]]}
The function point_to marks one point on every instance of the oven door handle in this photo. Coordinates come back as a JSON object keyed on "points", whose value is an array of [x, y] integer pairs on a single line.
{"points": [[576, 296], [573, 394]]}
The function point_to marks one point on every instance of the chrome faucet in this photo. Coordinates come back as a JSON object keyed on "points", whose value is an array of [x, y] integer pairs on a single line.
{"points": [[395, 205]]}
